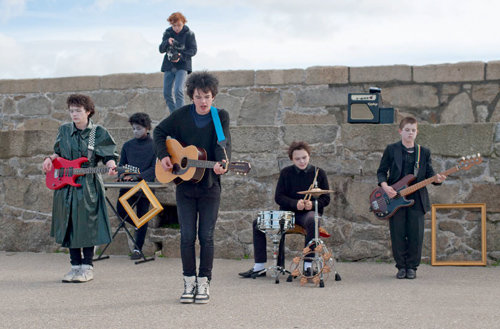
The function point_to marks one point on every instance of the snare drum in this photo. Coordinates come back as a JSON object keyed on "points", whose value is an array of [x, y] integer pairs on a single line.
{"points": [[269, 221]]}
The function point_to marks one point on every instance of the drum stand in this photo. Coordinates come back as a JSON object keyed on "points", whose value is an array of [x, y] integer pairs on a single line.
{"points": [[277, 269], [321, 263]]}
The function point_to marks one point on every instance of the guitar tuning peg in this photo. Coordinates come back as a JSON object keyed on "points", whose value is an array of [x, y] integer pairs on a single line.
{"points": [[468, 157], [479, 155], [463, 158]]}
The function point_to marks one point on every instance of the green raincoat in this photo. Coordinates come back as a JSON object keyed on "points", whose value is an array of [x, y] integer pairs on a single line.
{"points": [[79, 215]]}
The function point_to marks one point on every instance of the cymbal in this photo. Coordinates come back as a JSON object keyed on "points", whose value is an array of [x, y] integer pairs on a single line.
{"points": [[315, 191]]}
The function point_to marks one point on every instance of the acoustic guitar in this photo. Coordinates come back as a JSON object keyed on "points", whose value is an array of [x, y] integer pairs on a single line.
{"points": [[189, 164], [64, 172], [385, 207]]}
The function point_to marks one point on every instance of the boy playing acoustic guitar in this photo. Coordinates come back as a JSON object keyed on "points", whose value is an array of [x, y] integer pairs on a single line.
{"points": [[197, 202], [407, 224]]}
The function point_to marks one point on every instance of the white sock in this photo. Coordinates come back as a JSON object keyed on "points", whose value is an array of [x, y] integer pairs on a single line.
{"points": [[259, 267], [307, 265]]}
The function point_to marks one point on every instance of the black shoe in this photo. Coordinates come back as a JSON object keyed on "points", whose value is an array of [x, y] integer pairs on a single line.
{"points": [[251, 274], [136, 254], [401, 273], [411, 274]]}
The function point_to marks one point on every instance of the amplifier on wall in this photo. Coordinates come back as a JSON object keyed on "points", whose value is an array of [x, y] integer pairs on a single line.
{"points": [[365, 108]]}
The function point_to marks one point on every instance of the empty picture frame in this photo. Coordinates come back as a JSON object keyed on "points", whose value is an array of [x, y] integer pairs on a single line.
{"points": [[482, 208], [156, 206]]}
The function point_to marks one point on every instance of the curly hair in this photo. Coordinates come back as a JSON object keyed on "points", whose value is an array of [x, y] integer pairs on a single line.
{"points": [[175, 17], [141, 119], [203, 81], [298, 146], [81, 100]]}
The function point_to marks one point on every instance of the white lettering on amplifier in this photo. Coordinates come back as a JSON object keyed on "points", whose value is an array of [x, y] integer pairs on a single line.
{"points": [[366, 97]]}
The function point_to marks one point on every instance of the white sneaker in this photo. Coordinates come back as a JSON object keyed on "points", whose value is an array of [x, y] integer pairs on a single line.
{"points": [[202, 292], [75, 269], [189, 290], [85, 274]]}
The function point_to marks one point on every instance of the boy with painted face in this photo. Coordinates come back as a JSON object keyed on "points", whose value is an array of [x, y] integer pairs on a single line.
{"points": [[138, 152], [407, 225]]}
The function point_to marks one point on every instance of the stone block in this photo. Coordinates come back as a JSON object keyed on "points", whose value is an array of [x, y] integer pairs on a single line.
{"points": [[485, 193], [485, 92], [413, 96], [112, 99], [259, 108], [322, 96], [34, 106], [279, 77], [231, 104], [294, 118], [326, 75], [20, 86], [8, 106], [465, 71], [122, 81], [380, 73], [249, 139], [288, 98], [31, 236], [493, 70], [235, 78], [153, 80], [150, 102], [26, 143], [495, 116], [368, 137], [459, 110], [39, 124], [315, 133], [461, 139], [70, 84]]}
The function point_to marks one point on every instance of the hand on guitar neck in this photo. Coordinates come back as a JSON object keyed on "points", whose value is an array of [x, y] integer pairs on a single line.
{"points": [[391, 192], [166, 164]]}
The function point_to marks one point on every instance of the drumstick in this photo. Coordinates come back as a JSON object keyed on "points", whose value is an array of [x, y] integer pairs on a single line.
{"points": [[307, 197]]}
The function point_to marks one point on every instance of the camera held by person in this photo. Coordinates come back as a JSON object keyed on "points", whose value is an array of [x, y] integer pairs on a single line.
{"points": [[173, 51]]}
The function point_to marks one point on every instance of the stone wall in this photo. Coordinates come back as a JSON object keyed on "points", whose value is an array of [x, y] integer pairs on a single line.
{"points": [[457, 104]]}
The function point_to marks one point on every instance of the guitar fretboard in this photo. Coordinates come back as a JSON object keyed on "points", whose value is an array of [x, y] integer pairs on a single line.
{"points": [[201, 163], [92, 170], [425, 182]]}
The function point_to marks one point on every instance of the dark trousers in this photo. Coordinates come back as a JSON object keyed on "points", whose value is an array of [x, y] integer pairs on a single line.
{"points": [[75, 255], [197, 209], [142, 207], [304, 219], [407, 235]]}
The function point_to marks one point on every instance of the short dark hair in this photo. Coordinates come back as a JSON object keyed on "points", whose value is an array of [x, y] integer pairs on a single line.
{"points": [[298, 146], [140, 118], [81, 100], [203, 81], [407, 120]]}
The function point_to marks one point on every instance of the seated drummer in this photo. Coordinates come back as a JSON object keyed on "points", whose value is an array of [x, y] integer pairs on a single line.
{"points": [[295, 178]]}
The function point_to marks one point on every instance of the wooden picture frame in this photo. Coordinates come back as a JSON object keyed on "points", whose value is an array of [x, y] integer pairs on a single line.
{"points": [[156, 206], [482, 207]]}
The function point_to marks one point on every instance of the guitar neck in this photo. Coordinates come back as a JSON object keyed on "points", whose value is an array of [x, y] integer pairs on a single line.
{"points": [[419, 185], [92, 170], [201, 163]]}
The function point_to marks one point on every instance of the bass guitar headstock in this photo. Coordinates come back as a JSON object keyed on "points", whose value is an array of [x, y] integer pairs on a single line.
{"points": [[465, 163]]}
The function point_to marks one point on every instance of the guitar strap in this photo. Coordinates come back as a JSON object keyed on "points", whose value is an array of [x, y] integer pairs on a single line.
{"points": [[90, 152], [221, 139], [417, 160]]}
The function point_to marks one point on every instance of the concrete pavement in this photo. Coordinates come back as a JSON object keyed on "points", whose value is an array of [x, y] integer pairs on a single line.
{"points": [[125, 295]]}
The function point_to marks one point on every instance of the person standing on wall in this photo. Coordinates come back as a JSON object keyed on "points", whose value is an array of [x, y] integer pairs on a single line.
{"points": [[179, 45]]}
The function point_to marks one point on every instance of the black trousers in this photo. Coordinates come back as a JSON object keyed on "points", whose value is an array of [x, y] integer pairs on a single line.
{"points": [[197, 209], [75, 255], [407, 235], [304, 219], [142, 207]]}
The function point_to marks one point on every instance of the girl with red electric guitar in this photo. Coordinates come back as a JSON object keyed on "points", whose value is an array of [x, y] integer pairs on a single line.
{"points": [[79, 216]]}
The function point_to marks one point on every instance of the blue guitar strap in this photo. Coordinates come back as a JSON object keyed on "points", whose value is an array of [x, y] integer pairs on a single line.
{"points": [[221, 139]]}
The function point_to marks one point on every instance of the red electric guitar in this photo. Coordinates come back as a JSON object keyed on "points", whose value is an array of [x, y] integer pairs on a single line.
{"points": [[64, 172], [384, 207]]}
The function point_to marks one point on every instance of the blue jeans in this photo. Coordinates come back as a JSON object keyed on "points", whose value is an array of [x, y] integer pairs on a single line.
{"points": [[177, 77], [197, 209]]}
